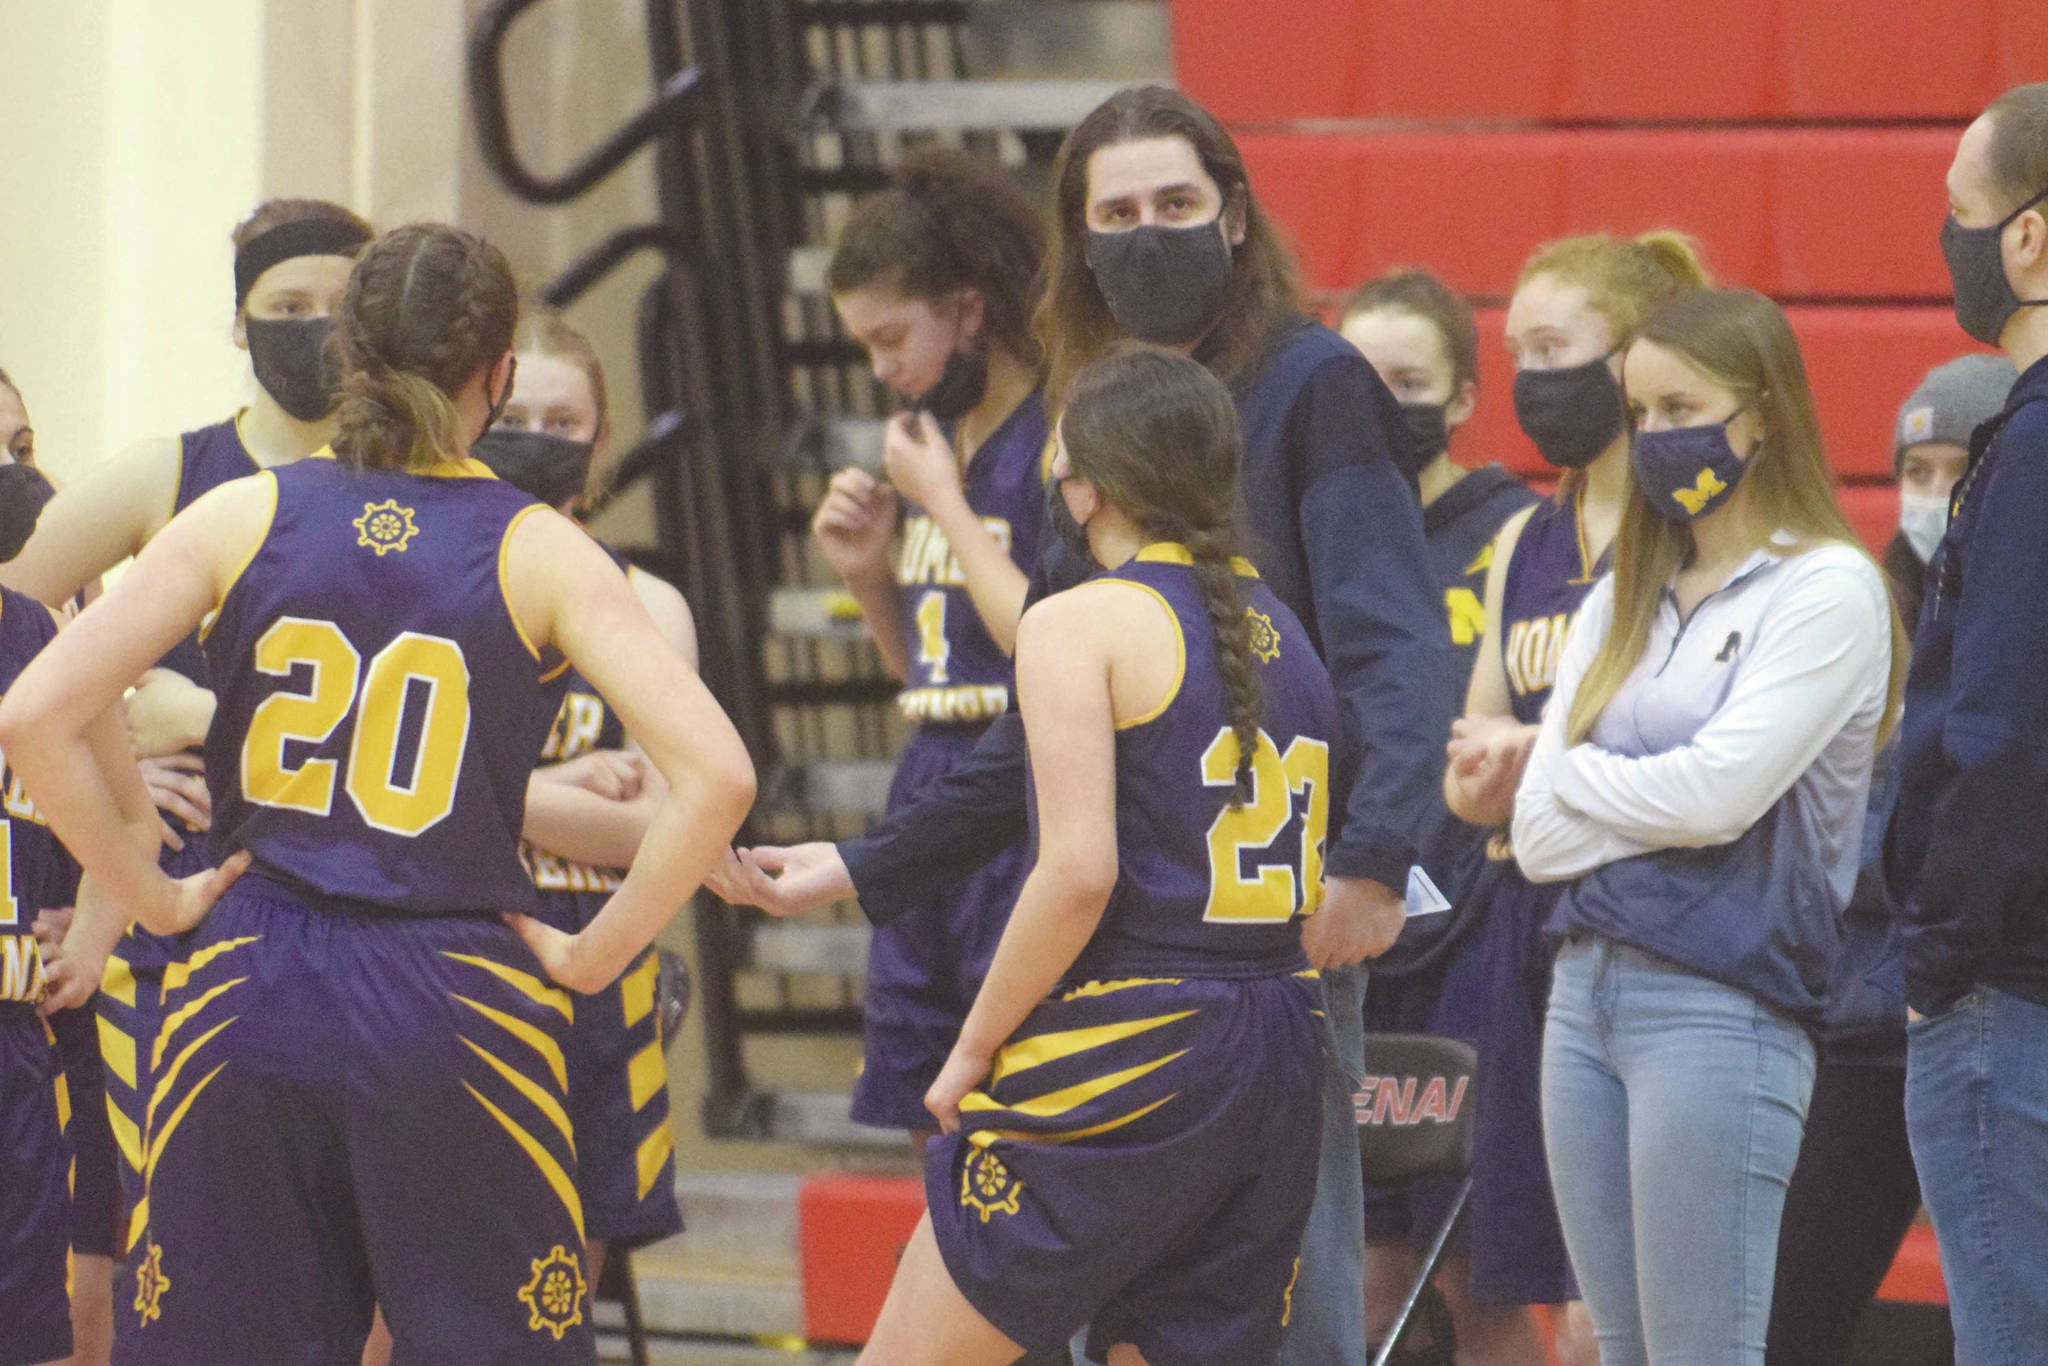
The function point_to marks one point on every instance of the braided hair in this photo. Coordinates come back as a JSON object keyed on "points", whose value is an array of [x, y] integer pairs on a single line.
{"points": [[428, 306], [1158, 437], [948, 222]]}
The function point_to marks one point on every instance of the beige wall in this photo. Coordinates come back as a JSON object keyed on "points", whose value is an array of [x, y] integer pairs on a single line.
{"points": [[139, 131]]}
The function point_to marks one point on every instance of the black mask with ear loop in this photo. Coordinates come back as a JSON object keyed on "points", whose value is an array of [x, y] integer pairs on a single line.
{"points": [[503, 401], [960, 385], [23, 492], [1072, 532]]}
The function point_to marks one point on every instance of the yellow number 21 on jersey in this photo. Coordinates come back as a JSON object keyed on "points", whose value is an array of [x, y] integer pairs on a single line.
{"points": [[1279, 888], [400, 804]]}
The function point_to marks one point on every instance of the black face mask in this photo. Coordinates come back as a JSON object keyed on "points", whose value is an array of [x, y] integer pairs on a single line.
{"points": [[959, 387], [1072, 533], [1984, 298], [500, 403], [293, 364], [1571, 414], [1163, 285], [1429, 436], [23, 491], [551, 468]]}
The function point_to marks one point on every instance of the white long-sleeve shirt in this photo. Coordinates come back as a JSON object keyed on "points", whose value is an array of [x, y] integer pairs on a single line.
{"points": [[1728, 776]]}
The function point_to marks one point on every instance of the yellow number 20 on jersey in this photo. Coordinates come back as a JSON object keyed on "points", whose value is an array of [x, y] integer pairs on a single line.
{"points": [[377, 694], [1279, 888]]}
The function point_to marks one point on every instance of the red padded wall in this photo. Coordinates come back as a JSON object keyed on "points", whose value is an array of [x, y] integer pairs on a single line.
{"points": [[1804, 213], [1606, 60]]}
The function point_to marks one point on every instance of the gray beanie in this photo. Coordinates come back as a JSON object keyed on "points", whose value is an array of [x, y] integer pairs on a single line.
{"points": [[1953, 401]]}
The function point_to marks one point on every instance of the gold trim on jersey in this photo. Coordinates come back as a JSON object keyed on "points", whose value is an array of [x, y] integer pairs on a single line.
{"points": [[178, 1018], [981, 1138], [168, 1081], [255, 548], [504, 593], [1067, 1098], [551, 1171], [118, 980], [966, 702], [1118, 984], [536, 1039], [652, 1155], [127, 1137], [1180, 646], [176, 975], [646, 1076], [117, 1052], [525, 983], [636, 990], [1173, 552], [529, 1088], [1040, 1049]]}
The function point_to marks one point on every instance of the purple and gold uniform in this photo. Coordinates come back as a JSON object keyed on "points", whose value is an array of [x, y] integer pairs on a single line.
{"points": [[35, 1103], [618, 1080], [359, 1090], [1498, 989], [1143, 1155], [925, 966], [131, 997]]}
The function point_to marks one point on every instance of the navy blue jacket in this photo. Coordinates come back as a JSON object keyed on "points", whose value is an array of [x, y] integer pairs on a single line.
{"points": [[1967, 851], [1336, 532]]}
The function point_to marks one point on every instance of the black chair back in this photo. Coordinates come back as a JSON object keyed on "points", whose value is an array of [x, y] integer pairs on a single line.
{"points": [[1415, 1110]]}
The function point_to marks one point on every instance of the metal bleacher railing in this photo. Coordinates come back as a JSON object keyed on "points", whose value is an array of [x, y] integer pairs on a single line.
{"points": [[768, 118]]}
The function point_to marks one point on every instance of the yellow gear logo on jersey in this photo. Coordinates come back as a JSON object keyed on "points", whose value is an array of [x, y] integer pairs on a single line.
{"points": [[384, 526], [151, 1284], [986, 1186], [1265, 639], [554, 1297]]}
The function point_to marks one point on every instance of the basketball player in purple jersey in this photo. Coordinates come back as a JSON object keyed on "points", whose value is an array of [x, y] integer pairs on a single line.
{"points": [[587, 809], [1576, 303], [1132, 1110], [361, 1094], [36, 1123], [292, 258], [934, 276]]}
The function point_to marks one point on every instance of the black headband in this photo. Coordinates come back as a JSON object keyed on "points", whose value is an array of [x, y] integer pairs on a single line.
{"points": [[300, 237]]}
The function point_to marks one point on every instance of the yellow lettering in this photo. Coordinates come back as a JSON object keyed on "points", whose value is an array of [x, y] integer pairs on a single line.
{"points": [[419, 800], [1467, 613], [577, 725], [21, 968], [927, 557], [1278, 890], [306, 718]]}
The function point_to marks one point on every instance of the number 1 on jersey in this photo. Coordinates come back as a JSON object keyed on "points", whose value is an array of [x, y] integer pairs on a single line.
{"points": [[933, 649], [1278, 889]]}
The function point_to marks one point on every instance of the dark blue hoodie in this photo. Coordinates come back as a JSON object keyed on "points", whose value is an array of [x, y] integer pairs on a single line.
{"points": [[1966, 855]]}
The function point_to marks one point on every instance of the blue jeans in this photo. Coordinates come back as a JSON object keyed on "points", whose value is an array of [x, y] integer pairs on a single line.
{"points": [[1326, 1325], [1695, 1094], [1977, 1115]]}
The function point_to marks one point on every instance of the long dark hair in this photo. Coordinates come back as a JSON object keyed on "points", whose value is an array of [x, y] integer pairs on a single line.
{"points": [[947, 222], [427, 307], [1157, 435], [1073, 318]]}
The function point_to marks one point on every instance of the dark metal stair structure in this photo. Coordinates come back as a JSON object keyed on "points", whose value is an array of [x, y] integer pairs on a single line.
{"points": [[768, 119]]}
